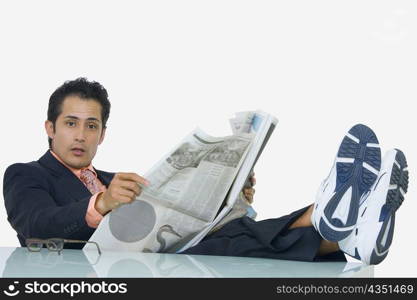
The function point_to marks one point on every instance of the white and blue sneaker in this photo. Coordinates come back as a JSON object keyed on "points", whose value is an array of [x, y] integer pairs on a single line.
{"points": [[372, 236], [355, 170]]}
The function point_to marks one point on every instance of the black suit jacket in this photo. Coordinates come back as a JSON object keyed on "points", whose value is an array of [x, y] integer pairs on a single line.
{"points": [[44, 199]]}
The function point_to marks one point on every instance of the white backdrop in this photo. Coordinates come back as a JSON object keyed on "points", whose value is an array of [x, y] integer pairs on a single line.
{"points": [[318, 66]]}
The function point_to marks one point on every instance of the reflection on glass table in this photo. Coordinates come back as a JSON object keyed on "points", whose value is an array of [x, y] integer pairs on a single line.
{"points": [[19, 262]]}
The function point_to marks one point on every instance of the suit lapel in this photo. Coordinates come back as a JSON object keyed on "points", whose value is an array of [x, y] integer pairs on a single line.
{"points": [[104, 177], [68, 180], [74, 186]]}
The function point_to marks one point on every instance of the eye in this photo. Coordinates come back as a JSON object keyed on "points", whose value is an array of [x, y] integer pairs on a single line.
{"points": [[70, 123], [92, 126]]}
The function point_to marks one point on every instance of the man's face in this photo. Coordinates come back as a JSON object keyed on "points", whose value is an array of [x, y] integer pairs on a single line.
{"points": [[78, 131]]}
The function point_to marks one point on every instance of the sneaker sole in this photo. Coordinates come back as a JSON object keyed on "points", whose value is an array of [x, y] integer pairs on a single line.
{"points": [[357, 165], [395, 197]]}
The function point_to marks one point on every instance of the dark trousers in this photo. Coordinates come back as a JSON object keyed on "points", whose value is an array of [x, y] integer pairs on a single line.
{"points": [[269, 238]]}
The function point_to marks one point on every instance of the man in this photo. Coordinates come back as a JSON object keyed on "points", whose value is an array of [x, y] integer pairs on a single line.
{"points": [[63, 195]]}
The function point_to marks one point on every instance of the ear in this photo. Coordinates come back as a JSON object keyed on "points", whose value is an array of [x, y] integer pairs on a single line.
{"points": [[103, 133], [49, 127]]}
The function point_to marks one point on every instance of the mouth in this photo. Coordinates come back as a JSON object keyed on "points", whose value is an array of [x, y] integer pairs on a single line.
{"points": [[77, 151]]}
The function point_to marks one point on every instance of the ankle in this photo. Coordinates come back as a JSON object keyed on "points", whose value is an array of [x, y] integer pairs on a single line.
{"points": [[304, 220]]}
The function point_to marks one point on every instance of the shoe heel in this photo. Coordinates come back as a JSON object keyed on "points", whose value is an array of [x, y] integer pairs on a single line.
{"points": [[358, 163], [395, 197]]}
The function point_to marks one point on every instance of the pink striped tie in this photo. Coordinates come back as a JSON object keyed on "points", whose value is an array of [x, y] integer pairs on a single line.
{"points": [[89, 179]]}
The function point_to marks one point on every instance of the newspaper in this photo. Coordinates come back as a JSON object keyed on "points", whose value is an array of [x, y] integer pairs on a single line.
{"points": [[191, 190]]}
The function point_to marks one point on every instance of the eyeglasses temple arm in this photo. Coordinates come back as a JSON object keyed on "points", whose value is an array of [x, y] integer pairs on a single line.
{"points": [[80, 241]]}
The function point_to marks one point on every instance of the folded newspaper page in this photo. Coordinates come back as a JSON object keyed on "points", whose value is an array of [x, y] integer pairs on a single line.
{"points": [[193, 188]]}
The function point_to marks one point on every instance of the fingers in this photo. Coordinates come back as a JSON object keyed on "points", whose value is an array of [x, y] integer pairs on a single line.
{"points": [[249, 199], [253, 181], [110, 200], [120, 200], [125, 195], [249, 193], [124, 188], [131, 186], [127, 184], [118, 195]]}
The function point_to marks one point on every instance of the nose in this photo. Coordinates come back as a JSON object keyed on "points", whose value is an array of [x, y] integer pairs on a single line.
{"points": [[80, 135]]}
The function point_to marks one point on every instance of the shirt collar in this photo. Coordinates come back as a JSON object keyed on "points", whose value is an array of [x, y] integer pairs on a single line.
{"points": [[77, 172]]}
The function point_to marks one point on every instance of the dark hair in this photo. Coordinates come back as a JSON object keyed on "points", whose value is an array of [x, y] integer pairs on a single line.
{"points": [[82, 88]]}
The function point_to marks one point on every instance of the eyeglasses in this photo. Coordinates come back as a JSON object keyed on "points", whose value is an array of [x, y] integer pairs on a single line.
{"points": [[53, 244]]}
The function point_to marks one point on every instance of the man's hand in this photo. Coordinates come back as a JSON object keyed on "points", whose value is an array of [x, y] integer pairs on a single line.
{"points": [[124, 188], [248, 190]]}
